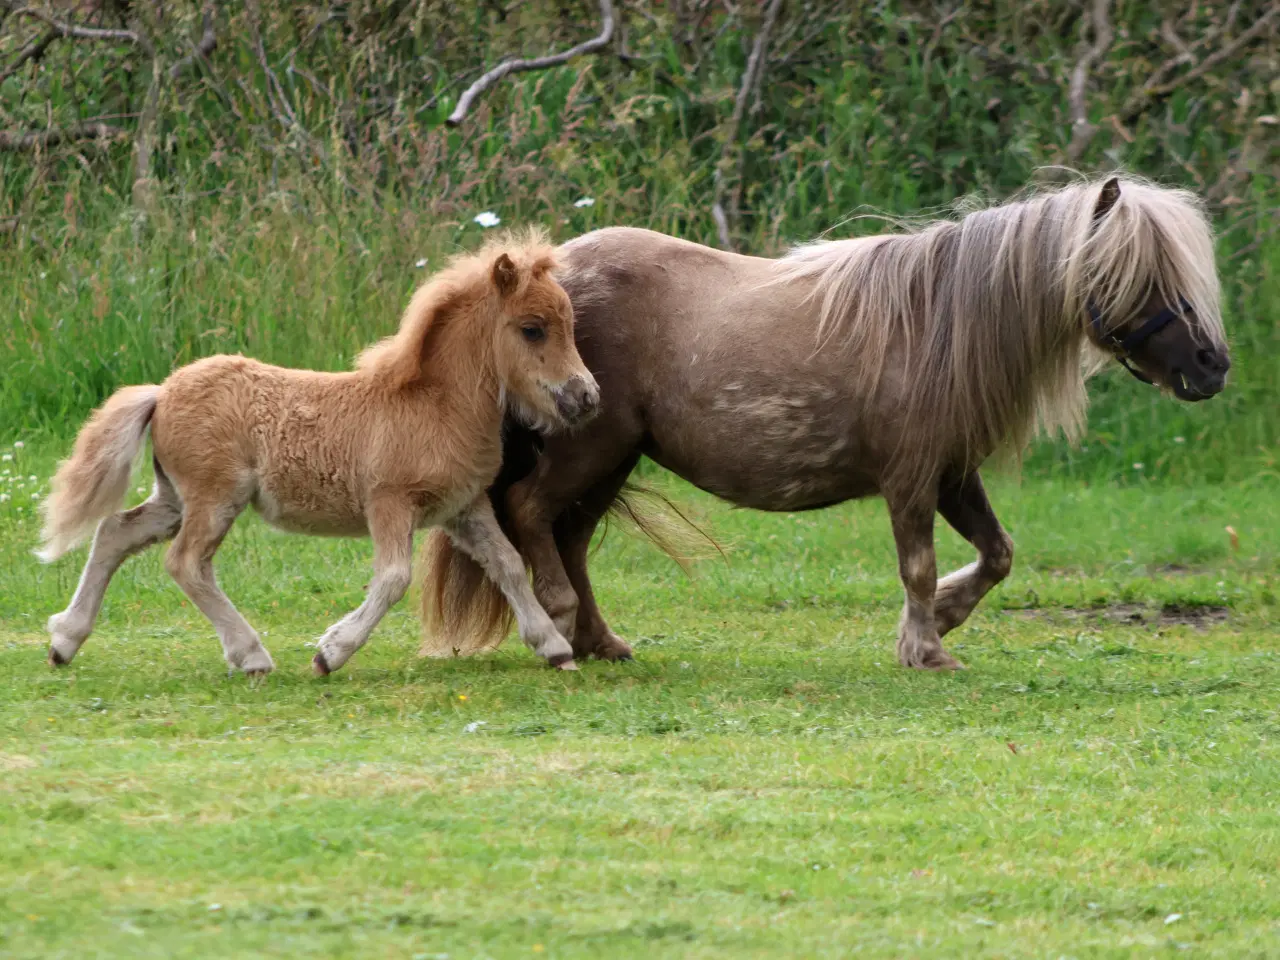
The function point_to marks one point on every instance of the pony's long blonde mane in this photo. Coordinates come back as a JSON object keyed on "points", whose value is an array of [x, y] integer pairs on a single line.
{"points": [[988, 312], [465, 285]]}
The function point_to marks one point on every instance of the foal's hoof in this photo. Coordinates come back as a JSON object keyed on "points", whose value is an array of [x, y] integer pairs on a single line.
{"points": [[56, 659], [320, 666], [562, 661]]}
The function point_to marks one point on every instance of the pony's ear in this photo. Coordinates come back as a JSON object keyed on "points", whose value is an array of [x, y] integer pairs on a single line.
{"points": [[1107, 198], [505, 276]]}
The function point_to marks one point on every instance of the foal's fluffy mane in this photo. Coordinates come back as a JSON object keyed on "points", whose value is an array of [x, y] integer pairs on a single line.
{"points": [[466, 288], [988, 311]]}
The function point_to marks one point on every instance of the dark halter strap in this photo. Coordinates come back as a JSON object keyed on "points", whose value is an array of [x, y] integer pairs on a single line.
{"points": [[1127, 344]]}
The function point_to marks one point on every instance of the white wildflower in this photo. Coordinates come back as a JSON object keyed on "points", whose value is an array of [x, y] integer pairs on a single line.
{"points": [[421, 263], [474, 725], [1172, 918], [4, 497], [1179, 439], [488, 219], [18, 445], [6, 458], [32, 478], [35, 496], [585, 202], [1137, 466]]}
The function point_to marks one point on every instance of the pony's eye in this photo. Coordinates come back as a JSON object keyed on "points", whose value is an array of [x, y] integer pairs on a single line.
{"points": [[532, 333]]}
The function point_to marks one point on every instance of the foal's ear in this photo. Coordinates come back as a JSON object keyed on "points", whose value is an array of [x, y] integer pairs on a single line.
{"points": [[1107, 198], [505, 276]]}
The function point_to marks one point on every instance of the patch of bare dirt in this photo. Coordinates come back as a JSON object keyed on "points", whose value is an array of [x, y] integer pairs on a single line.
{"points": [[1198, 616]]}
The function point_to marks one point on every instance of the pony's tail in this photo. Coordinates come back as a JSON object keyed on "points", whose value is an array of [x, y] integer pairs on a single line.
{"points": [[464, 613], [91, 484]]}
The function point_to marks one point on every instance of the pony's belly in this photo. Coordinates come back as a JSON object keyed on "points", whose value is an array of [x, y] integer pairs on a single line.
{"points": [[318, 518], [769, 475]]}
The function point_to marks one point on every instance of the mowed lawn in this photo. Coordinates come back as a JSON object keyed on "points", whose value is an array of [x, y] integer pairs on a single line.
{"points": [[764, 781]]}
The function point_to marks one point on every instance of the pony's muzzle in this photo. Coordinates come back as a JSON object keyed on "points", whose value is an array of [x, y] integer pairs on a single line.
{"points": [[1206, 378], [578, 399]]}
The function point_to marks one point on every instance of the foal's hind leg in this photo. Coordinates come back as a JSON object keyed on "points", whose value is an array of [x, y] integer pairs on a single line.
{"points": [[190, 563], [918, 643], [476, 532], [391, 522], [117, 538], [963, 502]]}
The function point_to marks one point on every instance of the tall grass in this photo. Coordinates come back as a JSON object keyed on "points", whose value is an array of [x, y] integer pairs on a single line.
{"points": [[300, 245]]}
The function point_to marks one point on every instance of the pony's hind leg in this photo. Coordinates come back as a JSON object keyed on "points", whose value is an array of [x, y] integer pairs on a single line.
{"points": [[963, 502], [918, 643], [391, 523], [579, 474], [573, 532], [190, 563], [117, 538], [476, 533]]}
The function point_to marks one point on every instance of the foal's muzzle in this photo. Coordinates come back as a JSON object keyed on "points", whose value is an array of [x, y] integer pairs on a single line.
{"points": [[578, 400]]}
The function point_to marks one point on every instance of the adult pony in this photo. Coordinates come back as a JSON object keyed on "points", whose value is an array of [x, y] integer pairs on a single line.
{"points": [[892, 364], [410, 438]]}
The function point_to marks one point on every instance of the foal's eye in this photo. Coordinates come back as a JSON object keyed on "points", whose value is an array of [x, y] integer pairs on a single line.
{"points": [[532, 333]]}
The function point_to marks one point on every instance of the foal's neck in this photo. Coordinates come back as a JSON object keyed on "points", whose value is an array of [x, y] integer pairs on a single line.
{"points": [[461, 371]]}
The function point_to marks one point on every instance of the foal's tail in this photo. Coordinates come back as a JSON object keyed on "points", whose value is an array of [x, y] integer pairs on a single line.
{"points": [[92, 483], [463, 613]]}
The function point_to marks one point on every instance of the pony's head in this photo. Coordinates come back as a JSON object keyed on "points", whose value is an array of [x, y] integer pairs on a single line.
{"points": [[1153, 300], [544, 380]]}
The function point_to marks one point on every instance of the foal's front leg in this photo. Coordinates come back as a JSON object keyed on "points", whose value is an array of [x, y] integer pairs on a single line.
{"points": [[476, 533], [918, 643], [391, 523]]}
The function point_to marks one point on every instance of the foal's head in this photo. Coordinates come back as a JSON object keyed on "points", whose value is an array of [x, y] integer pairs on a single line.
{"points": [[545, 381], [1154, 297]]}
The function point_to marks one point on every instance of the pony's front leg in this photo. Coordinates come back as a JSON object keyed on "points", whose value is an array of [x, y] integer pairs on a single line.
{"points": [[963, 502], [918, 643], [476, 533], [391, 523]]}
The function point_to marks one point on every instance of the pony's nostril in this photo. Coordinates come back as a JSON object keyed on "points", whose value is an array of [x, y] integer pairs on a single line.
{"points": [[1212, 360]]}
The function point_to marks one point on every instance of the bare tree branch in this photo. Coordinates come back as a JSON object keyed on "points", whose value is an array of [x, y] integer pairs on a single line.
{"points": [[32, 139], [78, 33], [148, 120], [508, 67], [1082, 130], [1156, 86], [32, 51], [208, 42], [751, 78]]}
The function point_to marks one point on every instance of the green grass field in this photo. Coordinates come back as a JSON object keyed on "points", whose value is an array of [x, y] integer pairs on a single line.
{"points": [[763, 781]]}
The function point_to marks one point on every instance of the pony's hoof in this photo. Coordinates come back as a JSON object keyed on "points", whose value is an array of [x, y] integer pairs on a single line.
{"points": [[939, 661], [562, 661], [613, 647], [320, 666], [56, 659]]}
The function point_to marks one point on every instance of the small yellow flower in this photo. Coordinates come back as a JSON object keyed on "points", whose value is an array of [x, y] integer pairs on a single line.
{"points": [[537, 948], [462, 696], [351, 716], [32, 917]]}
